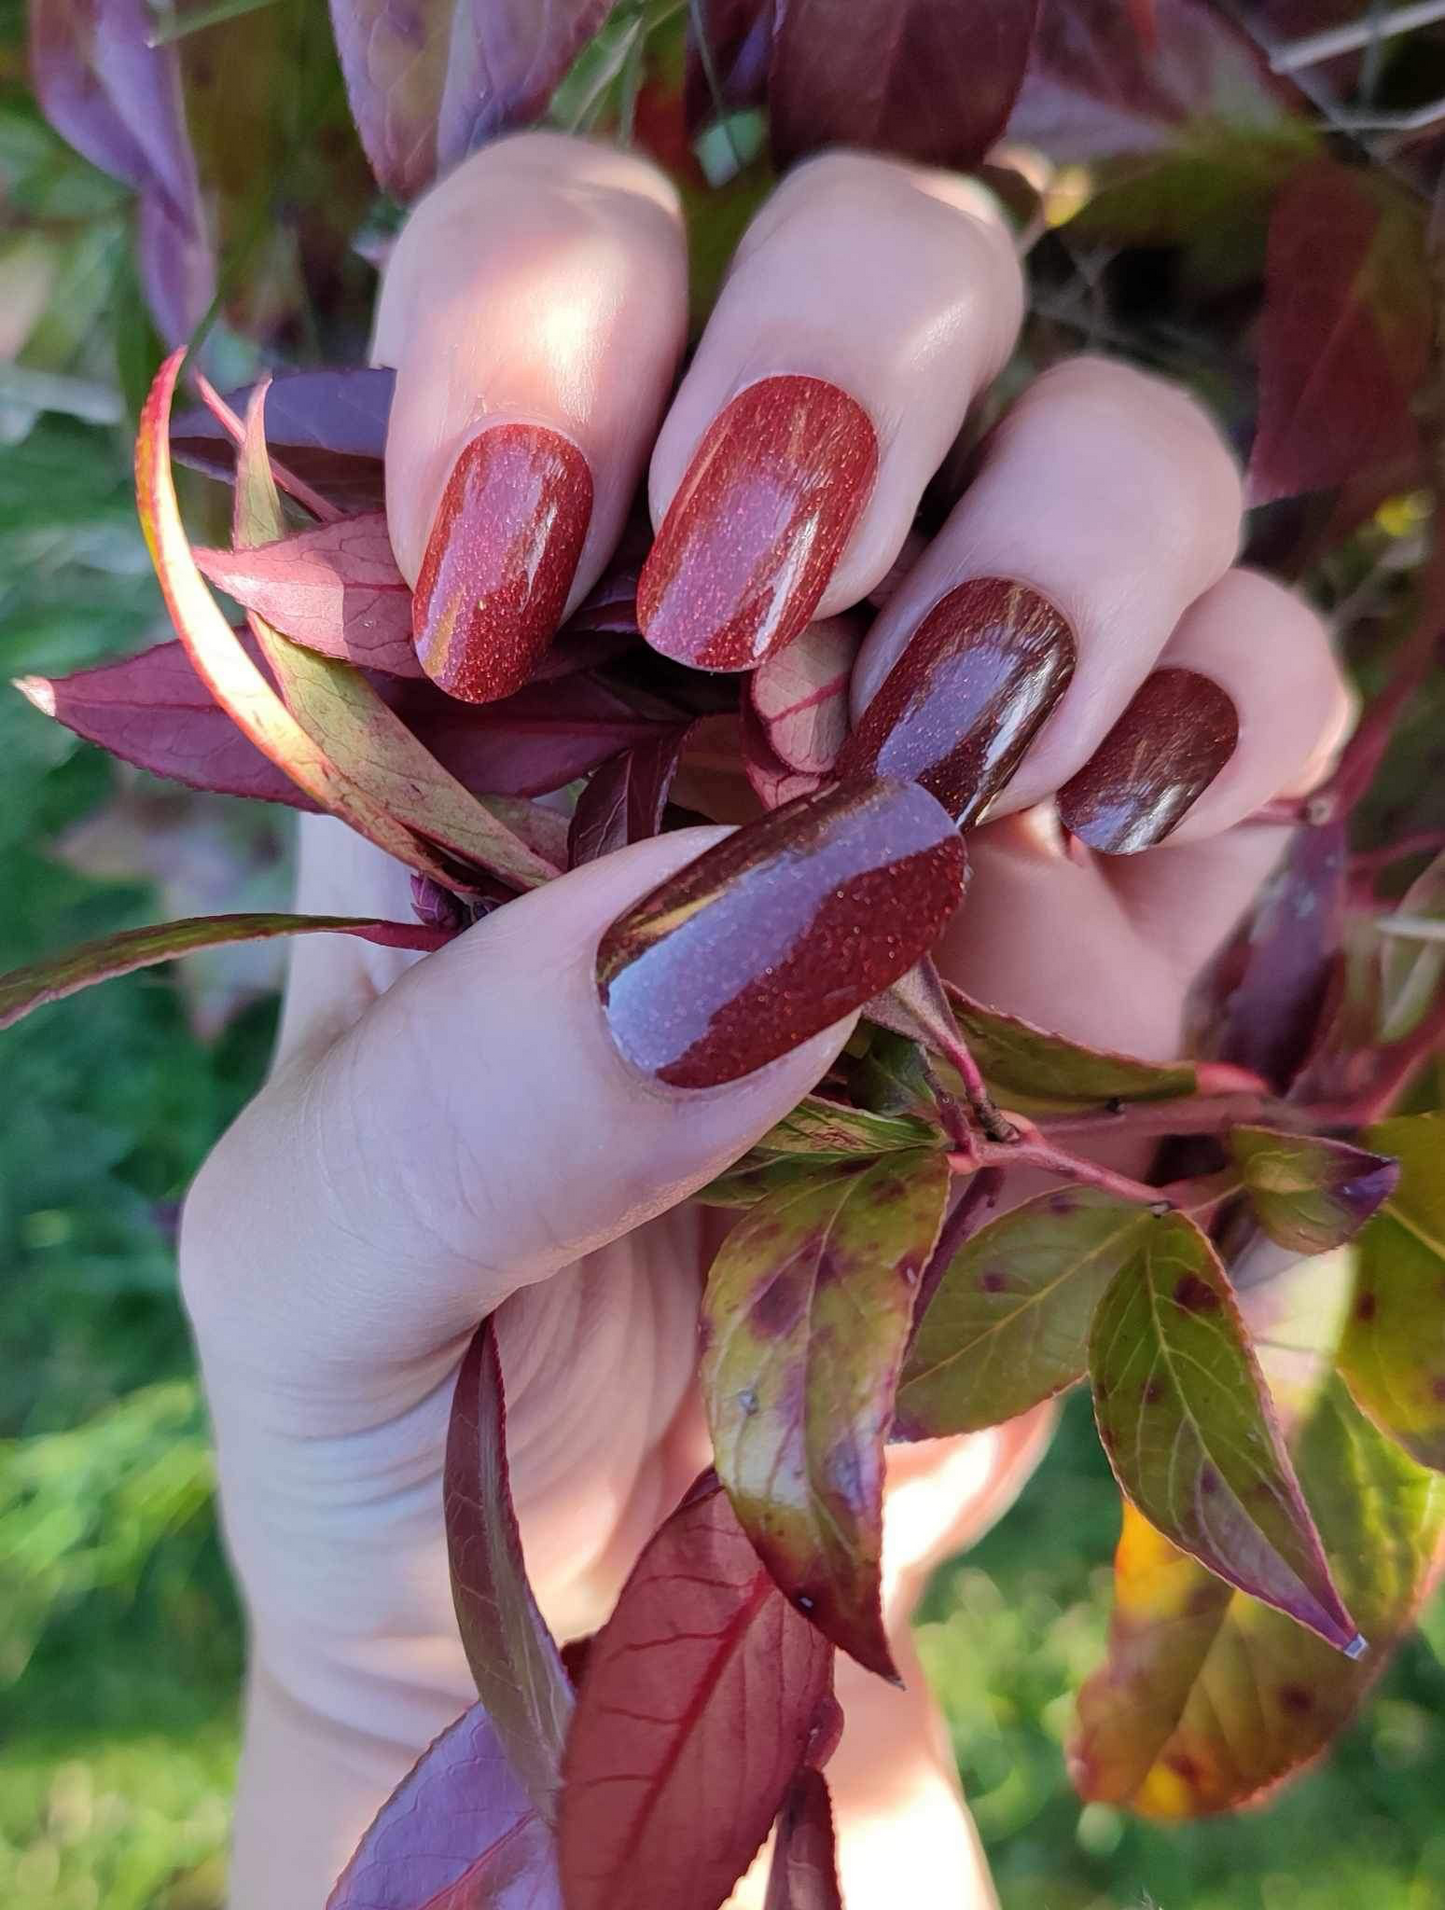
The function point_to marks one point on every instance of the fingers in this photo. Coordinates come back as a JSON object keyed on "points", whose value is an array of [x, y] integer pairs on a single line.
{"points": [[866, 308], [535, 309], [1107, 504]]}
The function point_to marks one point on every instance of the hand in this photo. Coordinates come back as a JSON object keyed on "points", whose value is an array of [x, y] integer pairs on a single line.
{"points": [[447, 1137]]}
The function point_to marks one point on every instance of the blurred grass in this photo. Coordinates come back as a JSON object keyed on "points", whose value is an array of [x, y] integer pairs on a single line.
{"points": [[120, 1648]]}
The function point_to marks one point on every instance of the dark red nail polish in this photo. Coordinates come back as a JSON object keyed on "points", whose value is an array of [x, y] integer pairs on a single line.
{"points": [[500, 560], [968, 695], [778, 932], [751, 539], [1167, 747]]}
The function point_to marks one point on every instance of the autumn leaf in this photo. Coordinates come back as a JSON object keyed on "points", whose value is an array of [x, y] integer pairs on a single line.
{"points": [[804, 1870], [625, 799], [771, 780], [328, 427], [1030, 1067], [800, 695], [1186, 1420], [833, 1131], [1310, 1193], [1008, 1324], [804, 1323], [1392, 1356]]}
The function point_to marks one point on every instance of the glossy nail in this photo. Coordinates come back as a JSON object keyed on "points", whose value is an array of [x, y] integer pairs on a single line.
{"points": [[751, 539], [788, 925], [968, 695], [1164, 751], [500, 560]]}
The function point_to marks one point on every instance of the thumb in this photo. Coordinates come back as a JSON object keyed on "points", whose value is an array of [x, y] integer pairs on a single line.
{"points": [[569, 1068]]}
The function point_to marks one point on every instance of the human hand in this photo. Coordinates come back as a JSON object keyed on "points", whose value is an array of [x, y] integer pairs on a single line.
{"points": [[446, 1138]]}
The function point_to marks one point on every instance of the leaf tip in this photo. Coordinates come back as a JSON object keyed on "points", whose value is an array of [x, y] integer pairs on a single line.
{"points": [[38, 690]]}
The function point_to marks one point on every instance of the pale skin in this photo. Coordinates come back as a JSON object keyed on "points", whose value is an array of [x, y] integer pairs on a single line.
{"points": [[443, 1137]]}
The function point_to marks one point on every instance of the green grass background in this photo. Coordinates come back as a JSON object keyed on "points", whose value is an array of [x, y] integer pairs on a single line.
{"points": [[120, 1647]]}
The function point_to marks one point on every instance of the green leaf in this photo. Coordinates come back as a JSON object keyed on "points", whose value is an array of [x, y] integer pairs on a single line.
{"points": [[1393, 1353], [804, 1322], [1308, 1193], [833, 1131], [1025, 1064], [756, 1176], [1009, 1323], [1207, 1698], [890, 1076], [31, 987], [1187, 1423]]}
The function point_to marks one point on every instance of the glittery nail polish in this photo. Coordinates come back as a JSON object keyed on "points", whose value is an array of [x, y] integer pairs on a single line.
{"points": [[968, 695], [759, 522], [500, 560], [1167, 747], [779, 931]]}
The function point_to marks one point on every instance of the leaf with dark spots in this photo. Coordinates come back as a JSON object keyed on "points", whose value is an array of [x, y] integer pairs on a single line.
{"points": [[1345, 334], [625, 799], [833, 1131], [1261, 1002], [329, 427], [696, 1712], [898, 76], [1186, 1420], [756, 1176], [335, 589], [729, 48], [1308, 1193], [1030, 1067], [804, 1870], [56, 976], [458, 1833], [806, 1316], [1008, 1324], [1208, 1700], [1392, 1356], [518, 1671], [800, 695]]}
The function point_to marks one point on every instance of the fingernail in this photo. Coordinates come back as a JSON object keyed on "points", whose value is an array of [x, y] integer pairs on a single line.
{"points": [[751, 539], [968, 695], [1164, 751], [500, 561], [781, 930]]}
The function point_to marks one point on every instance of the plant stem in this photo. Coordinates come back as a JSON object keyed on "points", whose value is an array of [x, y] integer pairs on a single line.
{"points": [[981, 1193], [294, 486]]}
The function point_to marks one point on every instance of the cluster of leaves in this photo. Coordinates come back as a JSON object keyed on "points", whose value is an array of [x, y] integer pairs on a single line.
{"points": [[1261, 1331]]}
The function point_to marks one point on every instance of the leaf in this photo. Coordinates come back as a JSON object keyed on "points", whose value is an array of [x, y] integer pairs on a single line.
{"points": [[832, 1131], [625, 799], [769, 777], [329, 427], [458, 1833], [1308, 1193], [1392, 1356], [56, 976], [695, 1714], [518, 1671], [256, 514], [1025, 1063], [394, 59], [1411, 971], [800, 696], [804, 1872], [335, 589], [1345, 334], [1208, 1700], [1185, 1418], [729, 47], [1008, 1325], [899, 76], [757, 1176], [805, 1319]]}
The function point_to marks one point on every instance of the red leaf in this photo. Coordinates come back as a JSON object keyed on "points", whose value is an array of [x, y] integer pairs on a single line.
{"points": [[25, 989], [335, 589], [519, 1673], [1345, 334], [916, 77], [800, 695], [804, 1873], [329, 427], [626, 797], [1144, 19], [769, 777], [458, 1833], [695, 1714]]}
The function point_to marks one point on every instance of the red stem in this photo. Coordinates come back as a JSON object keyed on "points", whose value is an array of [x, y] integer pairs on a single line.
{"points": [[296, 487]]}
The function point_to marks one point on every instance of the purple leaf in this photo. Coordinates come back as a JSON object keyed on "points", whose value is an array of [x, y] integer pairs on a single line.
{"points": [[626, 797], [804, 1873], [329, 427], [394, 60], [915, 77], [458, 1833], [519, 1673], [695, 1714], [505, 60], [54, 977], [335, 589], [1309, 1193]]}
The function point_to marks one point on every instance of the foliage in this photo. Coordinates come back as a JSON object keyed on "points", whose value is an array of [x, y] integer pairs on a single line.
{"points": [[1255, 1498]]}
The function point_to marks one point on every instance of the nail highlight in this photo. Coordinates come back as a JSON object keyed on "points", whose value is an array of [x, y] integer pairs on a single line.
{"points": [[968, 695], [788, 925], [1164, 751], [500, 560], [752, 537]]}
